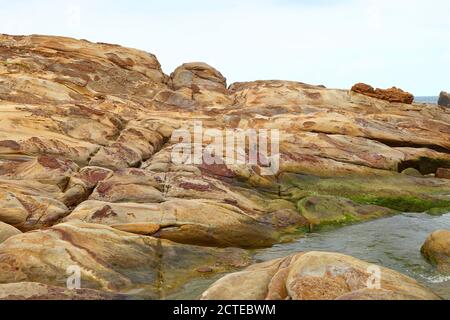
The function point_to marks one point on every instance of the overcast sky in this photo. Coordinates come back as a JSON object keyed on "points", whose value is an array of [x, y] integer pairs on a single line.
{"points": [[337, 43]]}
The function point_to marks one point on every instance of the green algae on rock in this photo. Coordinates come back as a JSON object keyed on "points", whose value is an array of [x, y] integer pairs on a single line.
{"points": [[330, 210], [397, 191]]}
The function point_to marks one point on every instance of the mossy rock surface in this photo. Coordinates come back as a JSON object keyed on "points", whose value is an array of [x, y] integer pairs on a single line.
{"points": [[398, 192], [331, 210]]}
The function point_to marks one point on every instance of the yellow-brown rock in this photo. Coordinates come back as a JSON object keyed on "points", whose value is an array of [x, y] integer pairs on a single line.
{"points": [[7, 231], [86, 169], [317, 276], [436, 250]]}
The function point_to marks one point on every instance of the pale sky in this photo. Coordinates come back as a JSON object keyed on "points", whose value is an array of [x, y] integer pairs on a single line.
{"points": [[404, 43]]}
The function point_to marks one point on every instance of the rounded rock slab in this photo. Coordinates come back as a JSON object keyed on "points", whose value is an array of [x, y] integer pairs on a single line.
{"points": [[317, 276]]}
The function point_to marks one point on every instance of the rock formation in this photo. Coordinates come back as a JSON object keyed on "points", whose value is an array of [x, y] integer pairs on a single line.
{"points": [[316, 276], [444, 99], [436, 250], [392, 95], [86, 173]]}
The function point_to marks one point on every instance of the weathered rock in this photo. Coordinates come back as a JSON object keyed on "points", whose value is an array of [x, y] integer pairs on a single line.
{"points": [[444, 99], [130, 185], [392, 95], [7, 231], [436, 250], [200, 222], [133, 146], [44, 169], [29, 205], [39, 291], [196, 76], [328, 210], [109, 259], [86, 134], [316, 276]]}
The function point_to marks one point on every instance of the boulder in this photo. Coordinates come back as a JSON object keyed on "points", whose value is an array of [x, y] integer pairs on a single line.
{"points": [[392, 95], [436, 250], [444, 99], [317, 276], [196, 76]]}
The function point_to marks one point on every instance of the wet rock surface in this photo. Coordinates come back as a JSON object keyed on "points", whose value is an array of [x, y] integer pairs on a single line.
{"points": [[86, 137], [436, 250]]}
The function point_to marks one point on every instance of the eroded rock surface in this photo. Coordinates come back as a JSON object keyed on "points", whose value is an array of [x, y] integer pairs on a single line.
{"points": [[86, 139], [39, 291], [316, 276], [109, 259], [392, 95]]}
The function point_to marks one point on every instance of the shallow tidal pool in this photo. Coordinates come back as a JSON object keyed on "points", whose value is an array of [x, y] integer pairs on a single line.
{"points": [[392, 242]]}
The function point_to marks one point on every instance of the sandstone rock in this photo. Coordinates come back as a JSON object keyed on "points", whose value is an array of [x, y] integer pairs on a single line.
{"points": [[85, 134], [39, 291], [29, 205], [436, 250], [44, 169], [138, 228], [198, 75], [130, 185], [392, 95], [85, 75], [443, 173], [444, 99], [7, 231], [110, 260], [316, 276], [199, 222]]}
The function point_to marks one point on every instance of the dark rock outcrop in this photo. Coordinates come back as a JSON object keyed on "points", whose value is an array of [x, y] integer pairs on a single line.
{"points": [[444, 99]]}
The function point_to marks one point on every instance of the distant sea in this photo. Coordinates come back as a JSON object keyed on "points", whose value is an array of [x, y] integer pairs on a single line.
{"points": [[432, 100]]}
